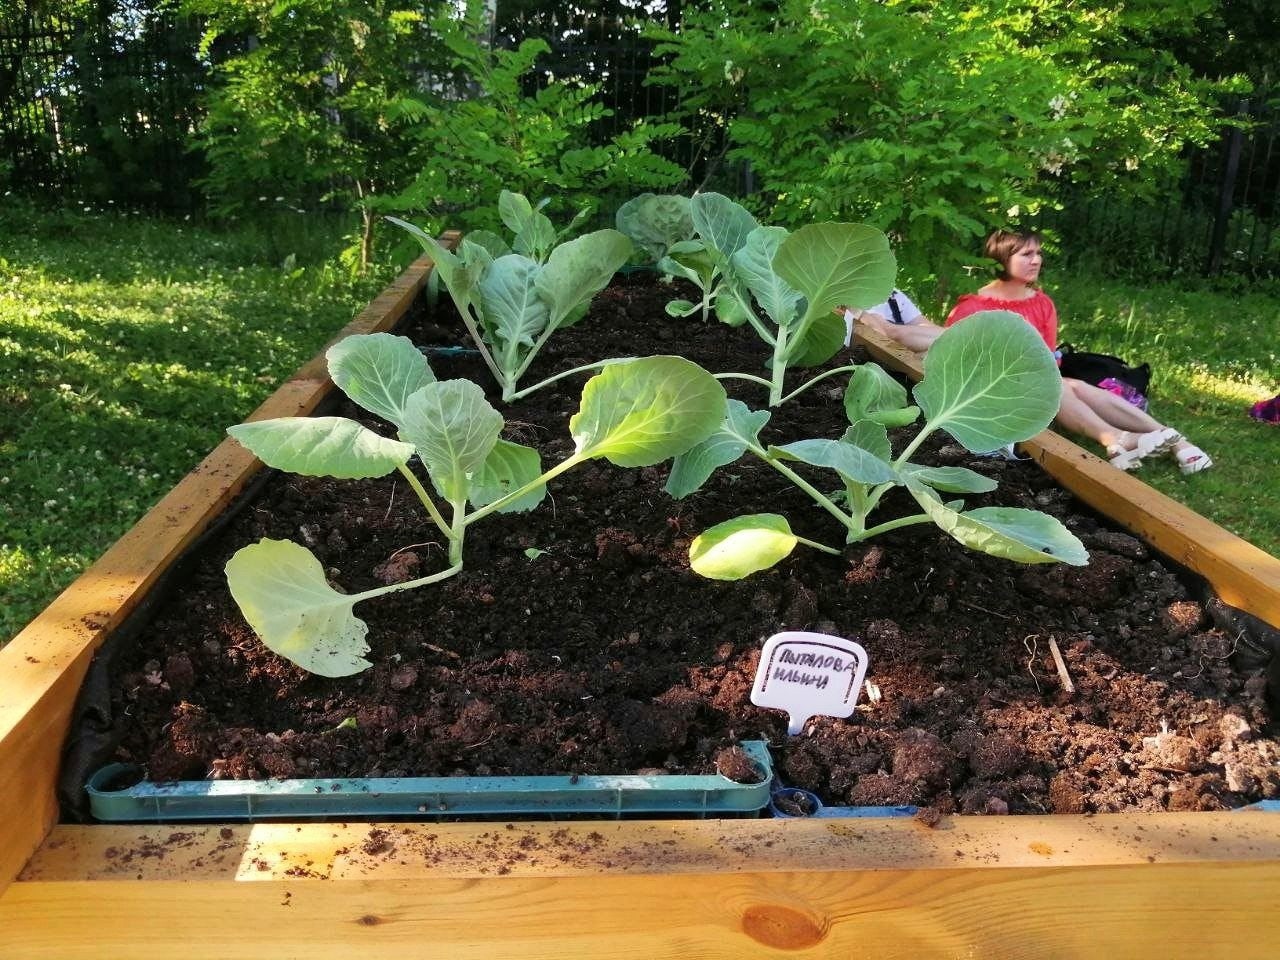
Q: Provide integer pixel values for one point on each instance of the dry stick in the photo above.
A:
(974, 606)
(1061, 664)
(391, 500)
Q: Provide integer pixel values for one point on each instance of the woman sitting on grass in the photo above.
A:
(1128, 434)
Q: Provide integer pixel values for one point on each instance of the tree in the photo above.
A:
(935, 122)
(300, 106)
(403, 107)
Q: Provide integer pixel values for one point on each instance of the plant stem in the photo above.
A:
(743, 376)
(873, 500)
(425, 498)
(533, 352)
(914, 445)
(820, 498)
(469, 322)
(895, 524)
(501, 502)
(599, 364)
(458, 531)
(817, 546)
(750, 313)
(822, 376)
(778, 367)
(860, 504)
(510, 361)
(408, 584)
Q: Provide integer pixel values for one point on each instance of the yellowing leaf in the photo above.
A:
(281, 589)
(742, 546)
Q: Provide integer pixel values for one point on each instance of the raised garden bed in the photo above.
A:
(805, 881)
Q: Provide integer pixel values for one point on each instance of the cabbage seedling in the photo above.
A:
(989, 381)
(798, 279)
(655, 222)
(512, 303)
(533, 234)
(633, 413)
(722, 227)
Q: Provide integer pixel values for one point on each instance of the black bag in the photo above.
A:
(1095, 367)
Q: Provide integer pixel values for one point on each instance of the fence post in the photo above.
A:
(1226, 195)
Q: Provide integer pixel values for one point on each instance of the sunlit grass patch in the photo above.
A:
(127, 346)
(1213, 355)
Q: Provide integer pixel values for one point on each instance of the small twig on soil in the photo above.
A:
(1205, 658)
(521, 431)
(472, 746)
(1032, 643)
(428, 543)
(390, 500)
(925, 582)
(1061, 664)
(974, 606)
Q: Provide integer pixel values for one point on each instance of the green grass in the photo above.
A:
(1213, 355)
(127, 346)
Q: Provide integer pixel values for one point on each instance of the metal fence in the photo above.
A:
(1225, 218)
(102, 107)
(99, 101)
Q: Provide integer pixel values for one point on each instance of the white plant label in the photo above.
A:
(809, 674)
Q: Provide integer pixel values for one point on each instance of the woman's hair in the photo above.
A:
(1003, 244)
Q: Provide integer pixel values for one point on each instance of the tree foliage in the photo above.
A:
(99, 91)
(934, 122)
(515, 129)
(402, 107)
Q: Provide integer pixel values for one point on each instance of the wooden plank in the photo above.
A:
(1189, 885)
(1240, 573)
(42, 667)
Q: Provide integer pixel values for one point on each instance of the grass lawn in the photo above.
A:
(127, 346)
(1213, 355)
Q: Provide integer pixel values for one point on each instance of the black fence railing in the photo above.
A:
(103, 107)
(99, 102)
(1223, 217)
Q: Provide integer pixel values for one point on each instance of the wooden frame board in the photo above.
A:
(1168, 885)
(1068, 886)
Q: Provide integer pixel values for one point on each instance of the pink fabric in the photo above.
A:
(1037, 310)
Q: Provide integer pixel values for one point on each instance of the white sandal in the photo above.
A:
(1159, 441)
(1123, 459)
(1146, 445)
(1191, 459)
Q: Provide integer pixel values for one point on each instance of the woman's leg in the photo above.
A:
(1113, 422)
(1118, 412)
(1079, 417)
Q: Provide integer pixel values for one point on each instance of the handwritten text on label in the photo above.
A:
(809, 674)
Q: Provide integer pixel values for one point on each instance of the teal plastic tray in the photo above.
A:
(430, 797)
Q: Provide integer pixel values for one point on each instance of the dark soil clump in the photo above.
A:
(577, 640)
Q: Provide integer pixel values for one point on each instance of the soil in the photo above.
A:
(577, 641)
